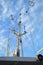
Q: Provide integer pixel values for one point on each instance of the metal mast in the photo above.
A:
(19, 35)
(8, 47)
(9, 38)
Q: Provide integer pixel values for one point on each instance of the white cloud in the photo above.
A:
(4, 10)
(4, 7)
(29, 26)
(3, 44)
(7, 11)
(18, 4)
(1, 48)
(23, 11)
(30, 31)
(25, 19)
(3, 4)
(2, 31)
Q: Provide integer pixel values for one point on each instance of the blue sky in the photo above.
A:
(33, 20)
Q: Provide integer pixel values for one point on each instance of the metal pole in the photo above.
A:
(19, 24)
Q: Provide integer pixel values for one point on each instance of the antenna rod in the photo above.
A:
(19, 36)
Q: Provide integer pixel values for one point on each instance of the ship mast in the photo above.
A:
(19, 35)
(9, 38)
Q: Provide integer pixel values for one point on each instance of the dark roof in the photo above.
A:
(17, 59)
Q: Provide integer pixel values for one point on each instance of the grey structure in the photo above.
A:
(17, 59)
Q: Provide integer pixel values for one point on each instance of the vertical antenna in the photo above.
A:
(9, 38)
(19, 35)
(8, 45)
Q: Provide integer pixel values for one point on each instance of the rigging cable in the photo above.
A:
(22, 48)
(21, 39)
(33, 44)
